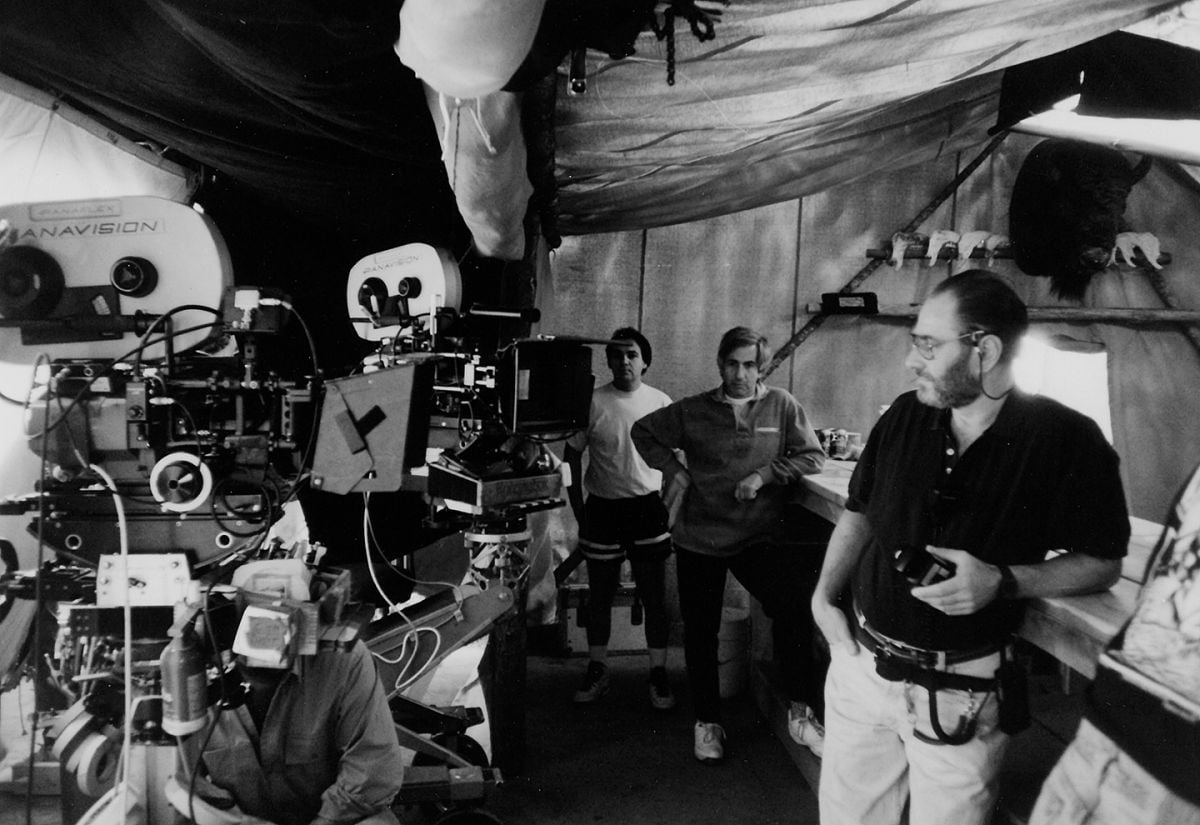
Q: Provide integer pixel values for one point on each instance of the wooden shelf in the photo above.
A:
(949, 252)
(1109, 315)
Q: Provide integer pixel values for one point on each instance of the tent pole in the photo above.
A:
(802, 334)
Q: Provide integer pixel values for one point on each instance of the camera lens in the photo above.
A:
(31, 283)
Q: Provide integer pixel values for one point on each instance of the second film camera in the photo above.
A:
(440, 408)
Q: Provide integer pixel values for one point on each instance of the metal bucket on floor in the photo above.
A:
(733, 651)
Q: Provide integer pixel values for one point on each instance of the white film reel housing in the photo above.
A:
(421, 277)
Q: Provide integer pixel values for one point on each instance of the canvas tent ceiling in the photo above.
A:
(797, 97)
(306, 107)
(309, 111)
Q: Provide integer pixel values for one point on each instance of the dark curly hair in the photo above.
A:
(631, 334)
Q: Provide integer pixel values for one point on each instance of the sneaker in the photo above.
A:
(595, 683)
(661, 697)
(805, 729)
(710, 742)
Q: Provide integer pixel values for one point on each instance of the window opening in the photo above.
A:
(1067, 370)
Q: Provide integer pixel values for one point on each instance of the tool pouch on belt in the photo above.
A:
(895, 669)
(1012, 691)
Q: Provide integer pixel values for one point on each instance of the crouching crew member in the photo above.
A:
(963, 489)
(313, 744)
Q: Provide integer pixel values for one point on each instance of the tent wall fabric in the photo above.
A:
(685, 285)
(308, 106)
(50, 152)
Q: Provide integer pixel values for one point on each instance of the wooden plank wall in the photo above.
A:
(684, 285)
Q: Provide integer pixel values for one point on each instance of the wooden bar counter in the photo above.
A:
(1073, 629)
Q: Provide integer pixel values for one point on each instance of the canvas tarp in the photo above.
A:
(793, 98)
(309, 108)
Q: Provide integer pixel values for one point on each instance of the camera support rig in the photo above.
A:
(488, 411)
(170, 443)
(491, 414)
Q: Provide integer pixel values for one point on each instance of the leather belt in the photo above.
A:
(880, 644)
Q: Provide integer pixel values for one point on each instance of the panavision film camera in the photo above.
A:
(171, 445)
(151, 406)
(146, 371)
(167, 449)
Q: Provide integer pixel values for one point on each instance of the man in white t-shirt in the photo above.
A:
(624, 515)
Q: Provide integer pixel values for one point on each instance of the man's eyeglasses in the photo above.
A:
(926, 344)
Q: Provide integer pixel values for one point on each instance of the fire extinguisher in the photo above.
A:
(184, 684)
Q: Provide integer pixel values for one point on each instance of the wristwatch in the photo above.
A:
(1008, 583)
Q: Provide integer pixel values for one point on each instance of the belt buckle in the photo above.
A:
(886, 647)
(925, 658)
(936, 659)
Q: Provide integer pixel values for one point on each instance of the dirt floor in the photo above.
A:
(619, 761)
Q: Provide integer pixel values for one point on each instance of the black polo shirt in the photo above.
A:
(1041, 477)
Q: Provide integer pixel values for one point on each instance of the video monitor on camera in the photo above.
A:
(545, 386)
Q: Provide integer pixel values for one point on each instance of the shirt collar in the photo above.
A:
(1007, 420)
(1012, 413)
(718, 394)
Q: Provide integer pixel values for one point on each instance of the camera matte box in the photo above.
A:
(374, 428)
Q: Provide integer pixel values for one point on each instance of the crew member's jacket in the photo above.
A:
(722, 444)
(328, 746)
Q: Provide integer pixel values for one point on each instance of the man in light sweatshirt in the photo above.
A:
(743, 444)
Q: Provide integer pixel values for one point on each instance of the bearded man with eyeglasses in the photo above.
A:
(970, 497)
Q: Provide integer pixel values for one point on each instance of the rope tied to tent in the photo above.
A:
(701, 21)
(476, 112)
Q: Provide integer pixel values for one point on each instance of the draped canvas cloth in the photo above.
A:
(794, 97)
(309, 106)
(302, 105)
(464, 52)
(484, 155)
